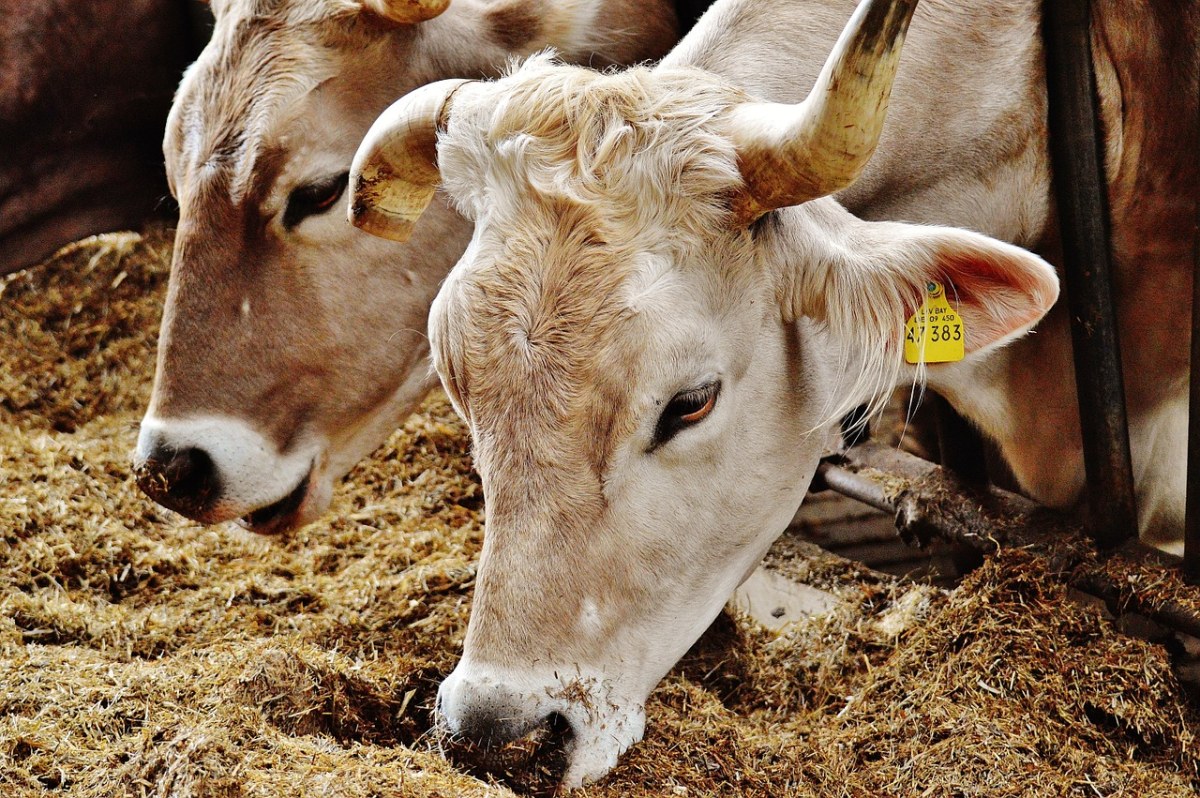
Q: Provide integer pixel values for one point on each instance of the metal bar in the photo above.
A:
(1170, 614)
(1191, 526)
(931, 503)
(1079, 185)
(849, 484)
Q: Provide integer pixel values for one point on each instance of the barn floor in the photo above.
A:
(141, 655)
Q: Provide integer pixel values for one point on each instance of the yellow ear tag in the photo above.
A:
(935, 333)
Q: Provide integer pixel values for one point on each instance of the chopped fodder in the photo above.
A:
(143, 655)
(1012, 689)
(80, 331)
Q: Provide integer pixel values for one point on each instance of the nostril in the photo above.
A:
(190, 471)
(558, 724)
(184, 480)
(482, 729)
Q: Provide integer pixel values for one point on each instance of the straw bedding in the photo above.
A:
(142, 655)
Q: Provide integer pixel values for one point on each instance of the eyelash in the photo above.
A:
(686, 409)
(313, 199)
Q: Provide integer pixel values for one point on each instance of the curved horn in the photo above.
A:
(789, 154)
(406, 12)
(395, 174)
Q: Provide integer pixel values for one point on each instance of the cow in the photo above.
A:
(84, 90)
(292, 344)
(663, 312)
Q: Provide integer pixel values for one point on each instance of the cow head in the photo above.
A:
(649, 354)
(293, 343)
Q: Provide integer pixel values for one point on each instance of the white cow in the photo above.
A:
(659, 316)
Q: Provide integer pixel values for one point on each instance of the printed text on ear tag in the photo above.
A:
(935, 333)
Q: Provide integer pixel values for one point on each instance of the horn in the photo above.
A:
(406, 12)
(789, 154)
(394, 174)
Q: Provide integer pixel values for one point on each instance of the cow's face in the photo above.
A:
(648, 374)
(293, 343)
(644, 424)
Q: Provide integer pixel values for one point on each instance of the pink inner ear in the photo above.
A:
(997, 294)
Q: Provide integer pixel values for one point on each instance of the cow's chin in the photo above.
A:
(305, 503)
(308, 500)
(311, 496)
(598, 739)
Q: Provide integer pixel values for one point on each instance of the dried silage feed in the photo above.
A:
(142, 655)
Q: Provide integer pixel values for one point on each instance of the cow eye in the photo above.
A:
(685, 409)
(313, 198)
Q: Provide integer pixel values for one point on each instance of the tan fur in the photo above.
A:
(515, 26)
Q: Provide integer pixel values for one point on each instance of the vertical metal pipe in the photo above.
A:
(1079, 183)
(1191, 534)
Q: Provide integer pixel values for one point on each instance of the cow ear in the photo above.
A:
(870, 278)
(406, 12)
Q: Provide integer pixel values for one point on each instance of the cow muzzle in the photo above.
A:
(487, 707)
(214, 469)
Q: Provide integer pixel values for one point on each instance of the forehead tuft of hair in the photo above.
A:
(639, 147)
(573, 169)
(263, 56)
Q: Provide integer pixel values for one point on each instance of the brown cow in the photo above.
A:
(292, 343)
(84, 91)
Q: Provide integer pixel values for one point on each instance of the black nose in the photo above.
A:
(183, 480)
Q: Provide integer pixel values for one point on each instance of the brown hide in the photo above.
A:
(1147, 59)
(84, 93)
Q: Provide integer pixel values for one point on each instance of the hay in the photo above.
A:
(142, 655)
